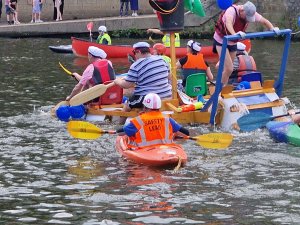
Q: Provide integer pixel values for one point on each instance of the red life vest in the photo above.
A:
(153, 128)
(239, 24)
(103, 72)
(246, 65)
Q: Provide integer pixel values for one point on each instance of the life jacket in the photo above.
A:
(167, 59)
(103, 72)
(239, 24)
(166, 40)
(153, 128)
(246, 65)
(104, 36)
(195, 62)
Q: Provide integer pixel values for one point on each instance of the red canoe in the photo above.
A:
(154, 155)
(80, 48)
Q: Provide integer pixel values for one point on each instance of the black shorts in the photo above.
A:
(136, 101)
(231, 48)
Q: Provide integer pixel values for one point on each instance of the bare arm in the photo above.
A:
(155, 31)
(123, 83)
(209, 74)
(229, 24)
(75, 91)
(266, 23)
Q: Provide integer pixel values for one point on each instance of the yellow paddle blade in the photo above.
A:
(66, 70)
(214, 140)
(83, 130)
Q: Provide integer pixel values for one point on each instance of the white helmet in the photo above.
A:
(152, 101)
(102, 28)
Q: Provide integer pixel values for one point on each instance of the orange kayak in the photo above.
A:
(154, 155)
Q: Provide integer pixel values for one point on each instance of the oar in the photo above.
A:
(66, 70)
(86, 130)
(89, 27)
(255, 120)
(212, 140)
(90, 94)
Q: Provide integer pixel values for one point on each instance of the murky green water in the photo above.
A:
(47, 177)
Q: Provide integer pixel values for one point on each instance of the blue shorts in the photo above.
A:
(8, 10)
(231, 48)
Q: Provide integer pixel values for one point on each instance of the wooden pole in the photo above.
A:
(173, 65)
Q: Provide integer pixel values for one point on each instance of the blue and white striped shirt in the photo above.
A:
(150, 76)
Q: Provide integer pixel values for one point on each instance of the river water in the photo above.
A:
(47, 177)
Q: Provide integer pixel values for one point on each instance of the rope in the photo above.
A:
(166, 11)
(178, 164)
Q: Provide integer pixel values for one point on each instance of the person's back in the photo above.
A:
(150, 75)
(152, 127)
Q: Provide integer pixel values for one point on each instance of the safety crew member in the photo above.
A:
(166, 38)
(193, 62)
(152, 127)
(160, 49)
(103, 37)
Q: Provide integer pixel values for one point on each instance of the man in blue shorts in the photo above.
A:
(148, 74)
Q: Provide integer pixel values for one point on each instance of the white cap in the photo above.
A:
(102, 28)
(141, 45)
(194, 45)
(97, 52)
(152, 101)
(250, 11)
(241, 46)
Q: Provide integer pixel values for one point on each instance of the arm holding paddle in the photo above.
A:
(295, 116)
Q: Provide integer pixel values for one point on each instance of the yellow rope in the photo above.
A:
(178, 164)
(166, 11)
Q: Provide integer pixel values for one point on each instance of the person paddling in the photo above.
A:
(152, 126)
(99, 71)
(103, 37)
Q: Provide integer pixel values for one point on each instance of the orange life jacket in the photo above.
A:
(246, 65)
(153, 128)
(195, 62)
(239, 24)
(103, 72)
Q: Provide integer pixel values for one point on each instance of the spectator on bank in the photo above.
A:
(58, 13)
(122, 3)
(134, 6)
(41, 8)
(61, 9)
(36, 12)
(14, 7)
(9, 13)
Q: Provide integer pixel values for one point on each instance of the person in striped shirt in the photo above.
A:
(148, 74)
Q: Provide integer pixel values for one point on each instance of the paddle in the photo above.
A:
(255, 120)
(86, 130)
(66, 70)
(90, 94)
(89, 27)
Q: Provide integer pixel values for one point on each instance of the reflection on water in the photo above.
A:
(47, 177)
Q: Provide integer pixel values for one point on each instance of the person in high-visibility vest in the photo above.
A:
(152, 126)
(160, 49)
(166, 38)
(103, 37)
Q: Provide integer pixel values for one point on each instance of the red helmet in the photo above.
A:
(160, 48)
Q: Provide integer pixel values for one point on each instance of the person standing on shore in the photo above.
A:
(122, 3)
(58, 13)
(134, 5)
(9, 12)
(0, 8)
(61, 9)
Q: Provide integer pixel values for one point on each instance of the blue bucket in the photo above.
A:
(77, 111)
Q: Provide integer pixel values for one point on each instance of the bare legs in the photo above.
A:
(228, 64)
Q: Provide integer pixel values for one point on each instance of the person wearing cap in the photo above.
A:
(242, 64)
(193, 62)
(166, 38)
(160, 49)
(235, 20)
(99, 71)
(152, 126)
(103, 37)
(149, 73)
